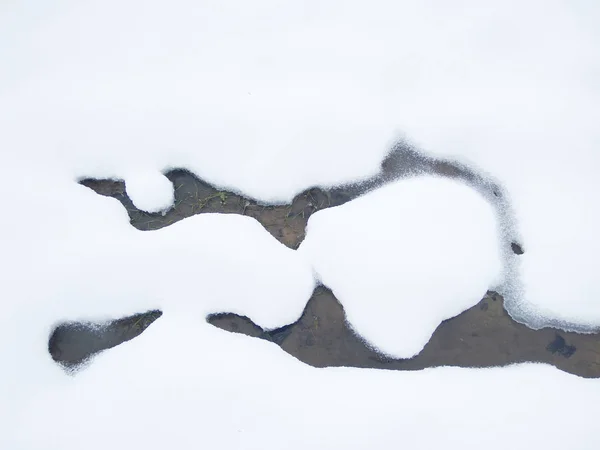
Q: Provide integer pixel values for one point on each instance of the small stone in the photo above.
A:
(516, 248)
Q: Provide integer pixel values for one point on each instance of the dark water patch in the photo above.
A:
(72, 343)
(482, 336)
(559, 346)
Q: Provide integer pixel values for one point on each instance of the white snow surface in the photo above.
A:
(287, 91)
(406, 257)
(269, 98)
(149, 190)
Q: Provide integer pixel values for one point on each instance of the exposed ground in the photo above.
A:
(483, 336)
(287, 222)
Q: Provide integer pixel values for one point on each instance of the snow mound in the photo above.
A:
(406, 257)
(149, 191)
(515, 94)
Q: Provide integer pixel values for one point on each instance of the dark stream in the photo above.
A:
(483, 336)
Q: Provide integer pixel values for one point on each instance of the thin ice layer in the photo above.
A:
(406, 257)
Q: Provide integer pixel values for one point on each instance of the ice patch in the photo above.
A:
(406, 257)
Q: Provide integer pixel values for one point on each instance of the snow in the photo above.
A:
(149, 191)
(406, 257)
(245, 396)
(268, 98)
